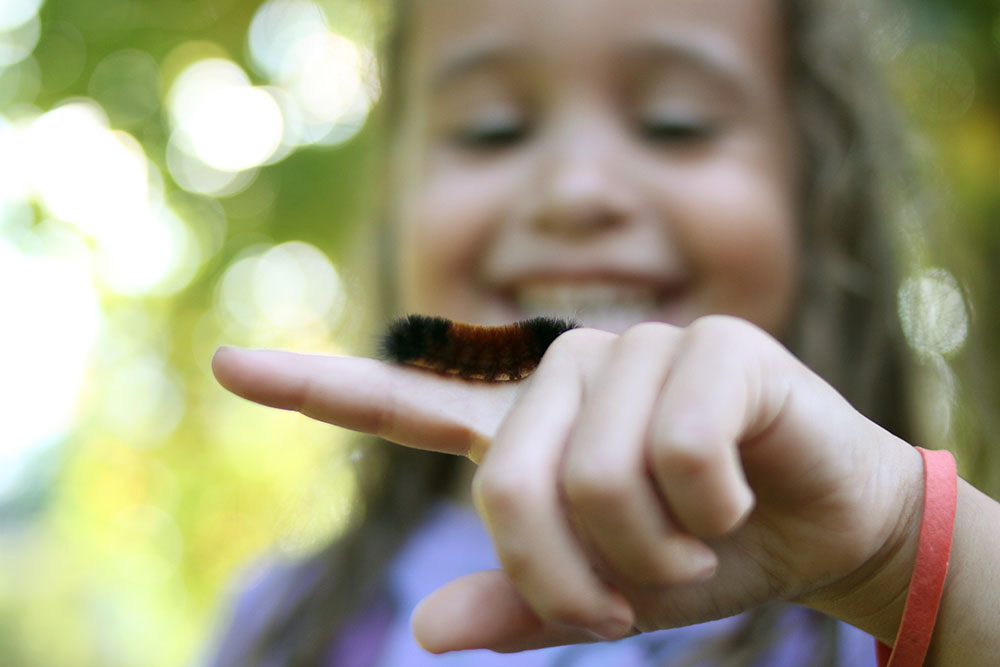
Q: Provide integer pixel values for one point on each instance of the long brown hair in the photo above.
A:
(846, 327)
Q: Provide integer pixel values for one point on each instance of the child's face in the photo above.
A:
(612, 160)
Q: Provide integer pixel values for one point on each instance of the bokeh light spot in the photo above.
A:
(154, 254)
(275, 29)
(14, 13)
(14, 184)
(100, 181)
(17, 43)
(20, 83)
(51, 300)
(933, 314)
(83, 172)
(219, 118)
(331, 81)
(195, 176)
(295, 285)
(198, 80)
(235, 128)
(142, 403)
(288, 288)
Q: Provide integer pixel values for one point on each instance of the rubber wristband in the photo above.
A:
(933, 551)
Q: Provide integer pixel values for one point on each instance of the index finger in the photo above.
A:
(408, 406)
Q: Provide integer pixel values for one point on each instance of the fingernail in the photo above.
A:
(613, 628)
(619, 620)
(703, 561)
(747, 502)
(693, 560)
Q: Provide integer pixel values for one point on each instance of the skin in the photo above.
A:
(638, 147)
(832, 490)
(647, 475)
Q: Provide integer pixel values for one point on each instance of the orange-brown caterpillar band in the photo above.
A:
(493, 354)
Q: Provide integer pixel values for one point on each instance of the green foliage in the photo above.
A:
(121, 534)
(122, 529)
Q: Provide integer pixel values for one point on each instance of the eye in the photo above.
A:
(677, 130)
(491, 134)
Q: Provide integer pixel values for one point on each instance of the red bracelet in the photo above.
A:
(931, 567)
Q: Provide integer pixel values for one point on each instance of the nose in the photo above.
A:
(580, 188)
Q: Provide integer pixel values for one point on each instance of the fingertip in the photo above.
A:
(619, 620)
(480, 610)
(424, 628)
(446, 620)
(224, 364)
(256, 375)
(222, 354)
(219, 361)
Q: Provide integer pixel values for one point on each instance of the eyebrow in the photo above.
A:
(722, 66)
(479, 55)
(656, 46)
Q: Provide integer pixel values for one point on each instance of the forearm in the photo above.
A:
(967, 631)
(968, 627)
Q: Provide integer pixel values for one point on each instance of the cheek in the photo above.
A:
(444, 231)
(740, 235)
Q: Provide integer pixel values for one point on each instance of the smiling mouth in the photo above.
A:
(608, 305)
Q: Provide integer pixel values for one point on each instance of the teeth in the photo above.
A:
(613, 307)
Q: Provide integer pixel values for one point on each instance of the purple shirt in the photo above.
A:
(452, 542)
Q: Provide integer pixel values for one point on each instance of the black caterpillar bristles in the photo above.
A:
(494, 354)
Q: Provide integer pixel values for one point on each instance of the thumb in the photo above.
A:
(484, 610)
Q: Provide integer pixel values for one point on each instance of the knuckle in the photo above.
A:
(498, 494)
(680, 454)
(571, 340)
(717, 325)
(382, 420)
(578, 341)
(724, 328)
(645, 332)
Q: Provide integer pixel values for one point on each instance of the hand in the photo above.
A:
(659, 478)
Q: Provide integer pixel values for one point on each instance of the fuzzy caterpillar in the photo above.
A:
(489, 353)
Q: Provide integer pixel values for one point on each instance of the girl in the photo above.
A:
(691, 180)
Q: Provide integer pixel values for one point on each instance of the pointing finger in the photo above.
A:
(408, 406)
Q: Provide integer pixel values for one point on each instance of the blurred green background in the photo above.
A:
(179, 174)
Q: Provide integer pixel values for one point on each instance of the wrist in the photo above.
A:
(872, 597)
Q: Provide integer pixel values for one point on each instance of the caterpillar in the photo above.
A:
(489, 353)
